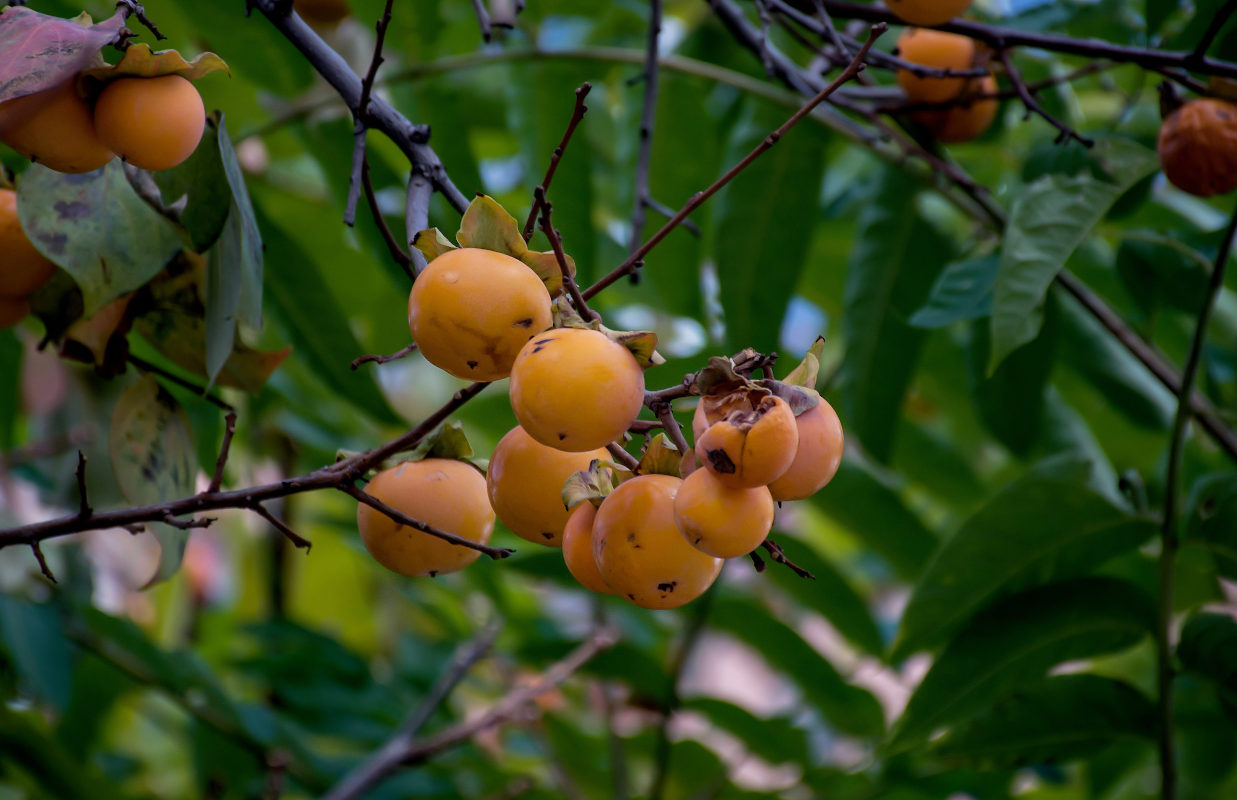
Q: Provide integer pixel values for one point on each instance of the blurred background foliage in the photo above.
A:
(977, 518)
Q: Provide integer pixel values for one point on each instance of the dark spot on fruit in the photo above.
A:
(667, 587)
(472, 364)
(1224, 115)
(527, 322)
(698, 538)
(631, 597)
(537, 349)
(547, 535)
(433, 573)
(720, 461)
(562, 436)
(631, 537)
(543, 341)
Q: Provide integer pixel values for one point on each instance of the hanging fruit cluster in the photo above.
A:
(657, 535)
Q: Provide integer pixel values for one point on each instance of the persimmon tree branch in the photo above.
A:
(648, 116)
(1169, 536)
(577, 114)
(1033, 107)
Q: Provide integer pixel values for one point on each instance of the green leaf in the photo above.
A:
(1018, 639)
(1055, 720)
(962, 292)
(845, 706)
(1161, 271)
(10, 394)
(241, 239)
(318, 326)
(892, 267)
(763, 222)
(32, 636)
(775, 739)
(1050, 219)
(1157, 11)
(96, 228)
(877, 516)
(1208, 647)
(830, 594)
(487, 225)
(1043, 528)
(1211, 518)
(24, 740)
(201, 180)
(154, 460)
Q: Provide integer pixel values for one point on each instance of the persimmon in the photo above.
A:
(471, 310)
(322, 12)
(575, 389)
(1198, 147)
(578, 549)
(746, 449)
(927, 12)
(721, 521)
(966, 120)
(12, 311)
(447, 494)
(818, 456)
(525, 482)
(938, 50)
(639, 550)
(152, 123)
(25, 268)
(54, 128)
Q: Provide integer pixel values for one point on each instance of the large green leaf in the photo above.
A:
(775, 739)
(875, 514)
(1159, 270)
(1211, 518)
(1044, 527)
(763, 226)
(10, 400)
(1055, 720)
(96, 228)
(829, 594)
(31, 636)
(1208, 648)
(154, 459)
(892, 267)
(963, 291)
(201, 181)
(318, 326)
(847, 707)
(1049, 220)
(1018, 639)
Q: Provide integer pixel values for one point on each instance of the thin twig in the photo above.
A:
(483, 20)
(417, 215)
(668, 212)
(643, 426)
(404, 519)
(38, 555)
(355, 180)
(281, 526)
(757, 561)
(577, 114)
(186, 524)
(200, 391)
(673, 429)
(137, 10)
(84, 511)
(556, 243)
(513, 703)
(1169, 535)
(775, 552)
(1218, 19)
(229, 430)
(393, 245)
(396, 356)
(699, 198)
(1033, 106)
(360, 116)
(622, 456)
(648, 115)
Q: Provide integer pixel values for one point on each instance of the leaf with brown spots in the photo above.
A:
(41, 51)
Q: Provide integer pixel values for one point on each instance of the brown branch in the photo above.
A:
(136, 9)
(757, 561)
(622, 456)
(556, 243)
(577, 114)
(371, 198)
(84, 511)
(673, 429)
(1033, 106)
(360, 116)
(510, 706)
(699, 198)
(38, 555)
(396, 356)
(229, 430)
(483, 20)
(643, 426)
(775, 552)
(417, 215)
(281, 526)
(404, 519)
(170, 519)
(648, 114)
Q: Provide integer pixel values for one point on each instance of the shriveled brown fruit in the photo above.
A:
(750, 448)
(1198, 147)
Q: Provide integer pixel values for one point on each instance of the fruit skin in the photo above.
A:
(575, 389)
(324, 12)
(1198, 147)
(152, 123)
(54, 128)
(749, 449)
(640, 552)
(965, 121)
(818, 457)
(525, 482)
(471, 310)
(934, 49)
(12, 311)
(722, 522)
(25, 269)
(447, 494)
(578, 549)
(927, 12)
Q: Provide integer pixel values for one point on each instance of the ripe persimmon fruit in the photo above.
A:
(818, 457)
(721, 521)
(937, 50)
(24, 268)
(750, 448)
(578, 549)
(152, 123)
(54, 128)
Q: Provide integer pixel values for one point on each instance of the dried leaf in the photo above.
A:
(140, 61)
(660, 457)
